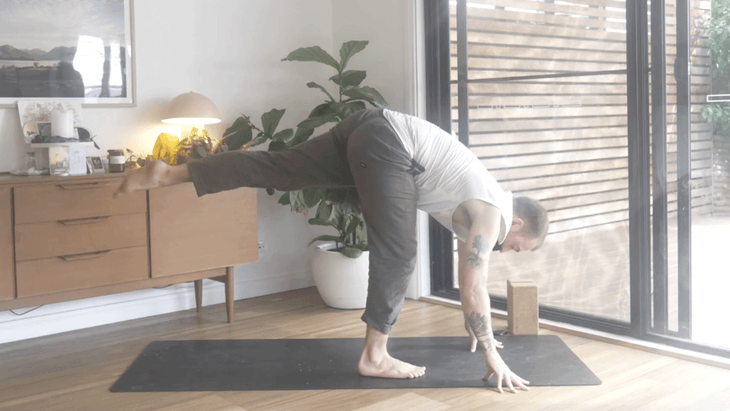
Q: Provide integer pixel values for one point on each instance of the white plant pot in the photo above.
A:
(342, 281)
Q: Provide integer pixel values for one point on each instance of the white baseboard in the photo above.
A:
(110, 309)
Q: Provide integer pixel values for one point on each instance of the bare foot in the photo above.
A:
(387, 367)
(149, 176)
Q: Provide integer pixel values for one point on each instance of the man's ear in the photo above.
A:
(517, 224)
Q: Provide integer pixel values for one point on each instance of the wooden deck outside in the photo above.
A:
(551, 124)
(594, 275)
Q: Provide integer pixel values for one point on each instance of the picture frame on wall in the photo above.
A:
(75, 50)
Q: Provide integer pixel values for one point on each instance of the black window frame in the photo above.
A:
(643, 323)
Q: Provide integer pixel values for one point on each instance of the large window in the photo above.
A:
(560, 102)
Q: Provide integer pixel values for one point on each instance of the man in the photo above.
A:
(398, 164)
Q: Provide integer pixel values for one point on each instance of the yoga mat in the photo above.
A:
(330, 364)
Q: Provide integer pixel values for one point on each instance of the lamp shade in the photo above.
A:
(192, 108)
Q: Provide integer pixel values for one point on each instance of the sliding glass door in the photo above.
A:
(688, 216)
(538, 92)
(590, 107)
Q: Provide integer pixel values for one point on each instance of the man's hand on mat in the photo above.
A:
(497, 366)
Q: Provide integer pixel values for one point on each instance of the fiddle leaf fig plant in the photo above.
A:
(240, 135)
(337, 208)
(351, 229)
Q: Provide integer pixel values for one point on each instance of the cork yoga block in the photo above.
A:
(522, 308)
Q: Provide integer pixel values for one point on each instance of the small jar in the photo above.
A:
(30, 161)
(116, 161)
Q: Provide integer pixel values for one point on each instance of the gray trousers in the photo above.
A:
(362, 151)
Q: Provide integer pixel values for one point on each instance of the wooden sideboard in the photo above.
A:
(67, 238)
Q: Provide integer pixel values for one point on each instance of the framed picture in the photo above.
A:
(95, 164)
(77, 50)
(43, 128)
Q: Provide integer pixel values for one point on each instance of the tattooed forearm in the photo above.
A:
(481, 326)
(475, 258)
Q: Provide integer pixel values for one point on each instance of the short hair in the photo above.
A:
(534, 215)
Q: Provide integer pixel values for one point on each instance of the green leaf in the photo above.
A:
(277, 146)
(360, 247)
(324, 211)
(301, 135)
(238, 134)
(283, 135)
(356, 106)
(361, 236)
(201, 151)
(312, 84)
(346, 223)
(261, 139)
(315, 54)
(352, 224)
(270, 121)
(349, 78)
(311, 196)
(341, 110)
(320, 110)
(284, 199)
(296, 201)
(314, 122)
(339, 216)
(326, 238)
(302, 200)
(322, 222)
(351, 252)
(367, 93)
(348, 50)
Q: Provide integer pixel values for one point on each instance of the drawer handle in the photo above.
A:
(78, 221)
(85, 256)
(85, 186)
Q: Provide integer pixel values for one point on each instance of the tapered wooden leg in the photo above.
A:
(198, 294)
(229, 293)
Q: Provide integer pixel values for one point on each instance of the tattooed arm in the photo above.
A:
(485, 223)
(473, 264)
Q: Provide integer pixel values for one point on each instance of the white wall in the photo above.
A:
(230, 50)
(386, 24)
(394, 30)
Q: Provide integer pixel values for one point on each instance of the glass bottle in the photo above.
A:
(30, 161)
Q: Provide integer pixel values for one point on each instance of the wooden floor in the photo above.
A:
(73, 371)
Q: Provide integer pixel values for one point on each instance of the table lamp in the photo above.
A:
(192, 110)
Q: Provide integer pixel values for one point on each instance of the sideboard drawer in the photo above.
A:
(190, 233)
(68, 201)
(79, 236)
(52, 275)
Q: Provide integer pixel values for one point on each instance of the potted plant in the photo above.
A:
(340, 269)
(718, 114)
(346, 253)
